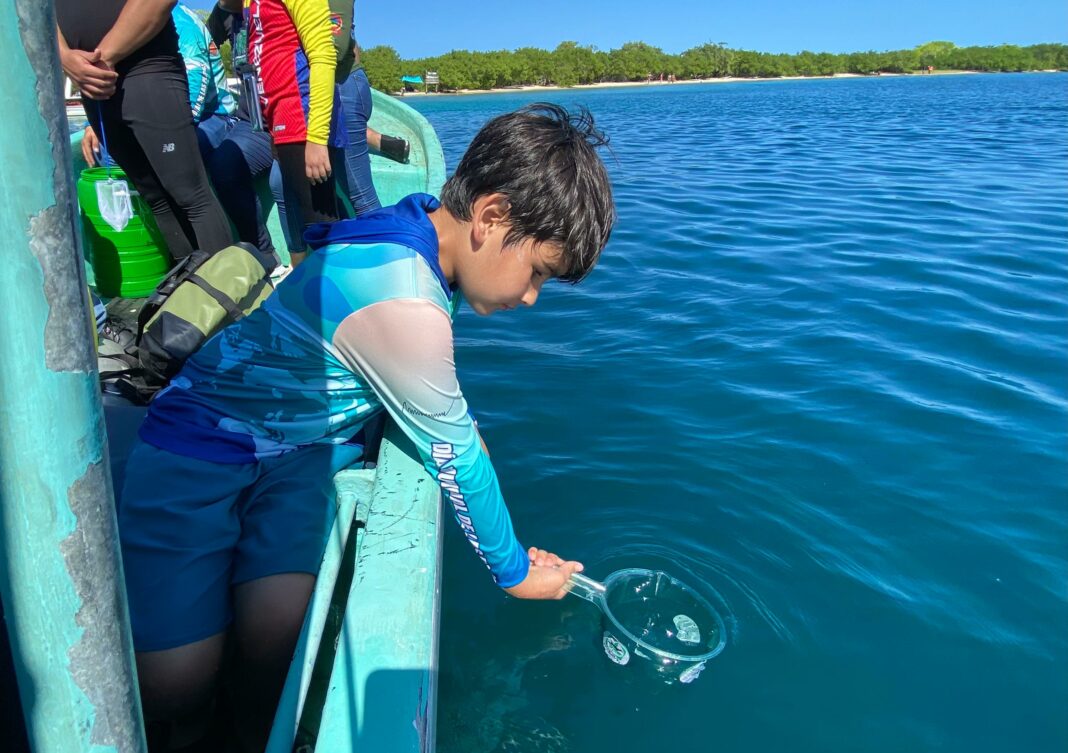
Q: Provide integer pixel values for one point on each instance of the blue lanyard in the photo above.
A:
(104, 139)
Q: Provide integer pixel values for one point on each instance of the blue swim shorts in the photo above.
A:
(191, 529)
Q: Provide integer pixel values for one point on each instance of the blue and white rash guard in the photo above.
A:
(208, 94)
(363, 325)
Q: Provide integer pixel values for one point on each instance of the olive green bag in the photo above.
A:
(202, 294)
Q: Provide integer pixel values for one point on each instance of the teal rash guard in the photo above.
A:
(363, 325)
(208, 94)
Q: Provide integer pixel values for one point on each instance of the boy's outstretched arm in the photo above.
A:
(403, 348)
(548, 574)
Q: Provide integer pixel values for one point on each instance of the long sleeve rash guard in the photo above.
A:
(280, 32)
(208, 94)
(359, 328)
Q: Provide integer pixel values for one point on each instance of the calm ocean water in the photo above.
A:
(822, 372)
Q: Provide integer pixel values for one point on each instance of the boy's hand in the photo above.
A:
(316, 162)
(547, 578)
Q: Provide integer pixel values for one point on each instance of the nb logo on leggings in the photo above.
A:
(168, 148)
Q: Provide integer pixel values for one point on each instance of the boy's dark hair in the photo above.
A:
(544, 159)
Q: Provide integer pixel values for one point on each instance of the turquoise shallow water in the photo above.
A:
(822, 372)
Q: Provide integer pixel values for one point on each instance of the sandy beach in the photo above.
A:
(629, 84)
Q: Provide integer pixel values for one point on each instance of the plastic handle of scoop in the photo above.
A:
(586, 588)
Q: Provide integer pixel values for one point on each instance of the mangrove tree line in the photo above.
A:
(571, 63)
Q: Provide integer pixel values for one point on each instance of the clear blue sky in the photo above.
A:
(418, 28)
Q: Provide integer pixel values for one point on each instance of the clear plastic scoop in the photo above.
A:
(651, 615)
(112, 196)
(113, 200)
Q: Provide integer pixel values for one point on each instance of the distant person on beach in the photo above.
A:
(124, 57)
(234, 153)
(222, 513)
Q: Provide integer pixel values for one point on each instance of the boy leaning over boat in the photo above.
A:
(222, 514)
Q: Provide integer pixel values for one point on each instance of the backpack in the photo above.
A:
(201, 295)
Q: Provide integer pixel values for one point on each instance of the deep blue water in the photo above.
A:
(822, 371)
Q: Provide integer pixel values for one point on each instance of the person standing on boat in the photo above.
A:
(289, 44)
(354, 91)
(354, 171)
(123, 54)
(222, 513)
(235, 154)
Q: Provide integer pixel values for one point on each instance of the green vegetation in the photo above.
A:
(571, 63)
(227, 55)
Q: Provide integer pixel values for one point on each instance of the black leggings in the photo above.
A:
(318, 201)
(150, 133)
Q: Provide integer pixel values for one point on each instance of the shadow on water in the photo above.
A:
(538, 681)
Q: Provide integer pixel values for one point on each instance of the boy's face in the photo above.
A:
(496, 277)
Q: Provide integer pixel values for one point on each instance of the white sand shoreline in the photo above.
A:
(724, 80)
